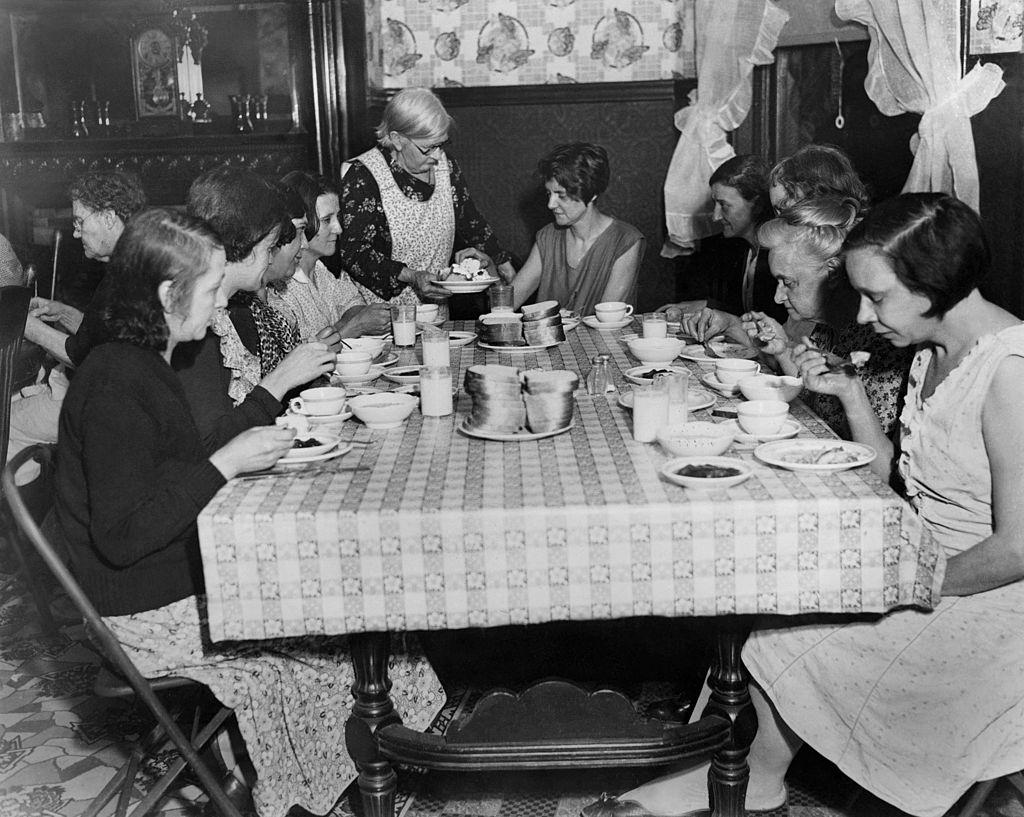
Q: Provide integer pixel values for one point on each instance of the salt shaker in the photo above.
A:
(599, 379)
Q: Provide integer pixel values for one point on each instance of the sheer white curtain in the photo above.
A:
(732, 37)
(914, 65)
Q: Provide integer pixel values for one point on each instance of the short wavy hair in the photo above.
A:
(416, 113)
(291, 206)
(117, 190)
(580, 167)
(935, 243)
(817, 171)
(748, 175)
(241, 206)
(309, 188)
(156, 246)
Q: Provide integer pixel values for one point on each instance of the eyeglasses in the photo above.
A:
(79, 221)
(431, 149)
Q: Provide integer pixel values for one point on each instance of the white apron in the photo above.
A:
(422, 232)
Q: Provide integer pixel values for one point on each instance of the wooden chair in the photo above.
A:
(134, 683)
(982, 790)
(14, 306)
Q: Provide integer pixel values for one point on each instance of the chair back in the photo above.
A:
(14, 305)
(108, 643)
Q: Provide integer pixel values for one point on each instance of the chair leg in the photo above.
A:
(42, 603)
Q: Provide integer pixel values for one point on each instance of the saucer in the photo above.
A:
(390, 360)
(358, 379)
(606, 326)
(404, 374)
(790, 428)
(696, 399)
(324, 419)
(698, 354)
(674, 470)
(724, 389)
(460, 338)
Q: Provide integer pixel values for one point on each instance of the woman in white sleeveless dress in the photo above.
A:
(406, 207)
(914, 706)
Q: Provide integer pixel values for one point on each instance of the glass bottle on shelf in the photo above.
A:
(78, 127)
(261, 112)
(240, 112)
(201, 110)
(184, 106)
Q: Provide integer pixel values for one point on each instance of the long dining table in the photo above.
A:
(423, 527)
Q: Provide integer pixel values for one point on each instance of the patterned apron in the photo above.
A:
(422, 232)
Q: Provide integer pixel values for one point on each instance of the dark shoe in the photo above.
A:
(670, 710)
(608, 805)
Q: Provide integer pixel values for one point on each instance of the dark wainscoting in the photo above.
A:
(502, 132)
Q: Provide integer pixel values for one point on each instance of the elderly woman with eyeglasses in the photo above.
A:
(406, 207)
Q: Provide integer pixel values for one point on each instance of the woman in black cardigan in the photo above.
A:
(132, 479)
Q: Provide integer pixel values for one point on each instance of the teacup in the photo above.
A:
(319, 402)
(731, 371)
(350, 362)
(762, 417)
(611, 311)
(425, 313)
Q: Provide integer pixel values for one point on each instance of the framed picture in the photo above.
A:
(154, 71)
(995, 27)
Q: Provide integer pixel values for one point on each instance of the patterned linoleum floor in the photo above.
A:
(59, 745)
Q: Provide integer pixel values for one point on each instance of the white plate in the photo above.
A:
(633, 375)
(518, 437)
(516, 349)
(328, 442)
(671, 467)
(790, 428)
(323, 419)
(606, 326)
(460, 285)
(435, 322)
(358, 379)
(698, 354)
(390, 360)
(460, 338)
(403, 374)
(696, 399)
(783, 454)
(736, 351)
(725, 389)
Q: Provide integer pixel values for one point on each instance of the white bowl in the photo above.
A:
(762, 416)
(383, 409)
(351, 362)
(771, 387)
(426, 313)
(372, 346)
(696, 438)
(732, 370)
(655, 351)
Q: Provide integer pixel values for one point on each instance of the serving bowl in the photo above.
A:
(383, 409)
(696, 438)
(771, 387)
(655, 351)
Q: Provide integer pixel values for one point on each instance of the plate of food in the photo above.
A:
(312, 444)
(508, 437)
(696, 399)
(643, 375)
(706, 473)
(698, 354)
(460, 338)
(460, 285)
(815, 455)
(403, 374)
(517, 349)
(724, 348)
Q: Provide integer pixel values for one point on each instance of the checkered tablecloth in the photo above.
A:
(447, 531)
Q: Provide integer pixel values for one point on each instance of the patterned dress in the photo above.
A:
(366, 245)
(918, 706)
(884, 376)
(291, 697)
(318, 300)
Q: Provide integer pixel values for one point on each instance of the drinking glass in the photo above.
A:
(655, 325)
(501, 297)
(436, 351)
(403, 324)
(650, 411)
(677, 384)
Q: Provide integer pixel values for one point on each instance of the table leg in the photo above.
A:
(730, 699)
(372, 709)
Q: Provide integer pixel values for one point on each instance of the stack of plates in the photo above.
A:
(497, 399)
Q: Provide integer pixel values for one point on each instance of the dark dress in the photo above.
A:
(717, 270)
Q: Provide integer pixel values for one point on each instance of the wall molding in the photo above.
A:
(555, 93)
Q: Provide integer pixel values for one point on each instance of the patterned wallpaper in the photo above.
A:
(453, 43)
